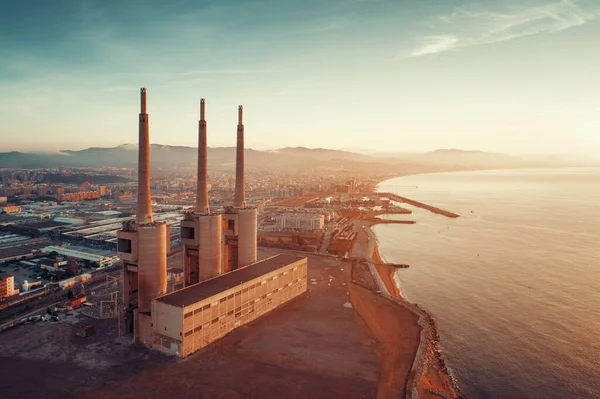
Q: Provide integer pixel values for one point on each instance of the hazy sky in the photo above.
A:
(414, 75)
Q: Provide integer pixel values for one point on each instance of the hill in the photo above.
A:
(284, 159)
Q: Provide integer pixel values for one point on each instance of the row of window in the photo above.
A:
(238, 293)
(244, 309)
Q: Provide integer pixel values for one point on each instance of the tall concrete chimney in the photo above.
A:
(144, 206)
(202, 206)
(240, 190)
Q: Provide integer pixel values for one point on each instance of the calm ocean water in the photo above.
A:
(513, 284)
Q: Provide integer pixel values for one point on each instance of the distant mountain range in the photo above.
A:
(284, 159)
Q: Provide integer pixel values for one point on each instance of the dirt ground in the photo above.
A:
(341, 339)
(315, 346)
(435, 381)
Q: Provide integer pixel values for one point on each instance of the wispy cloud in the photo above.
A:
(472, 26)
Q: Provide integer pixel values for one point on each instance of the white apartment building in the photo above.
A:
(308, 222)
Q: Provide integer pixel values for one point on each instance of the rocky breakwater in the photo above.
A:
(419, 204)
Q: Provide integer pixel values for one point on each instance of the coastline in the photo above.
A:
(430, 377)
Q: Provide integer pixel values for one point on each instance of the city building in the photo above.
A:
(9, 208)
(7, 287)
(79, 196)
(306, 222)
(192, 318)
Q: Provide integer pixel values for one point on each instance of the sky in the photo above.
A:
(519, 77)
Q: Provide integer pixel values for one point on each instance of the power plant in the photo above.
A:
(240, 221)
(143, 246)
(224, 284)
(201, 231)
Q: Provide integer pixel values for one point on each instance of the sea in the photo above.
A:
(513, 284)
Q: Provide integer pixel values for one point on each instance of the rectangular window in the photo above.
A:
(187, 233)
(187, 334)
(214, 321)
(189, 314)
(124, 245)
(206, 307)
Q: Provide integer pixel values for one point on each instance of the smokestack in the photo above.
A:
(240, 190)
(202, 206)
(144, 206)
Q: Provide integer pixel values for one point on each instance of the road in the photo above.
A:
(327, 237)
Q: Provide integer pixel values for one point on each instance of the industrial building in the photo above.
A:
(240, 221)
(190, 319)
(225, 286)
(98, 259)
(201, 231)
(215, 243)
(143, 246)
(103, 233)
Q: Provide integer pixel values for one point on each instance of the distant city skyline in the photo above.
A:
(509, 76)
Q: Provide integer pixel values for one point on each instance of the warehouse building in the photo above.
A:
(192, 318)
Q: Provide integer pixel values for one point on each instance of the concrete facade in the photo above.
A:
(301, 222)
(143, 246)
(201, 236)
(7, 287)
(188, 320)
(247, 236)
(240, 221)
(201, 231)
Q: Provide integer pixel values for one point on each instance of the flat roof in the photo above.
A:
(93, 257)
(197, 292)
